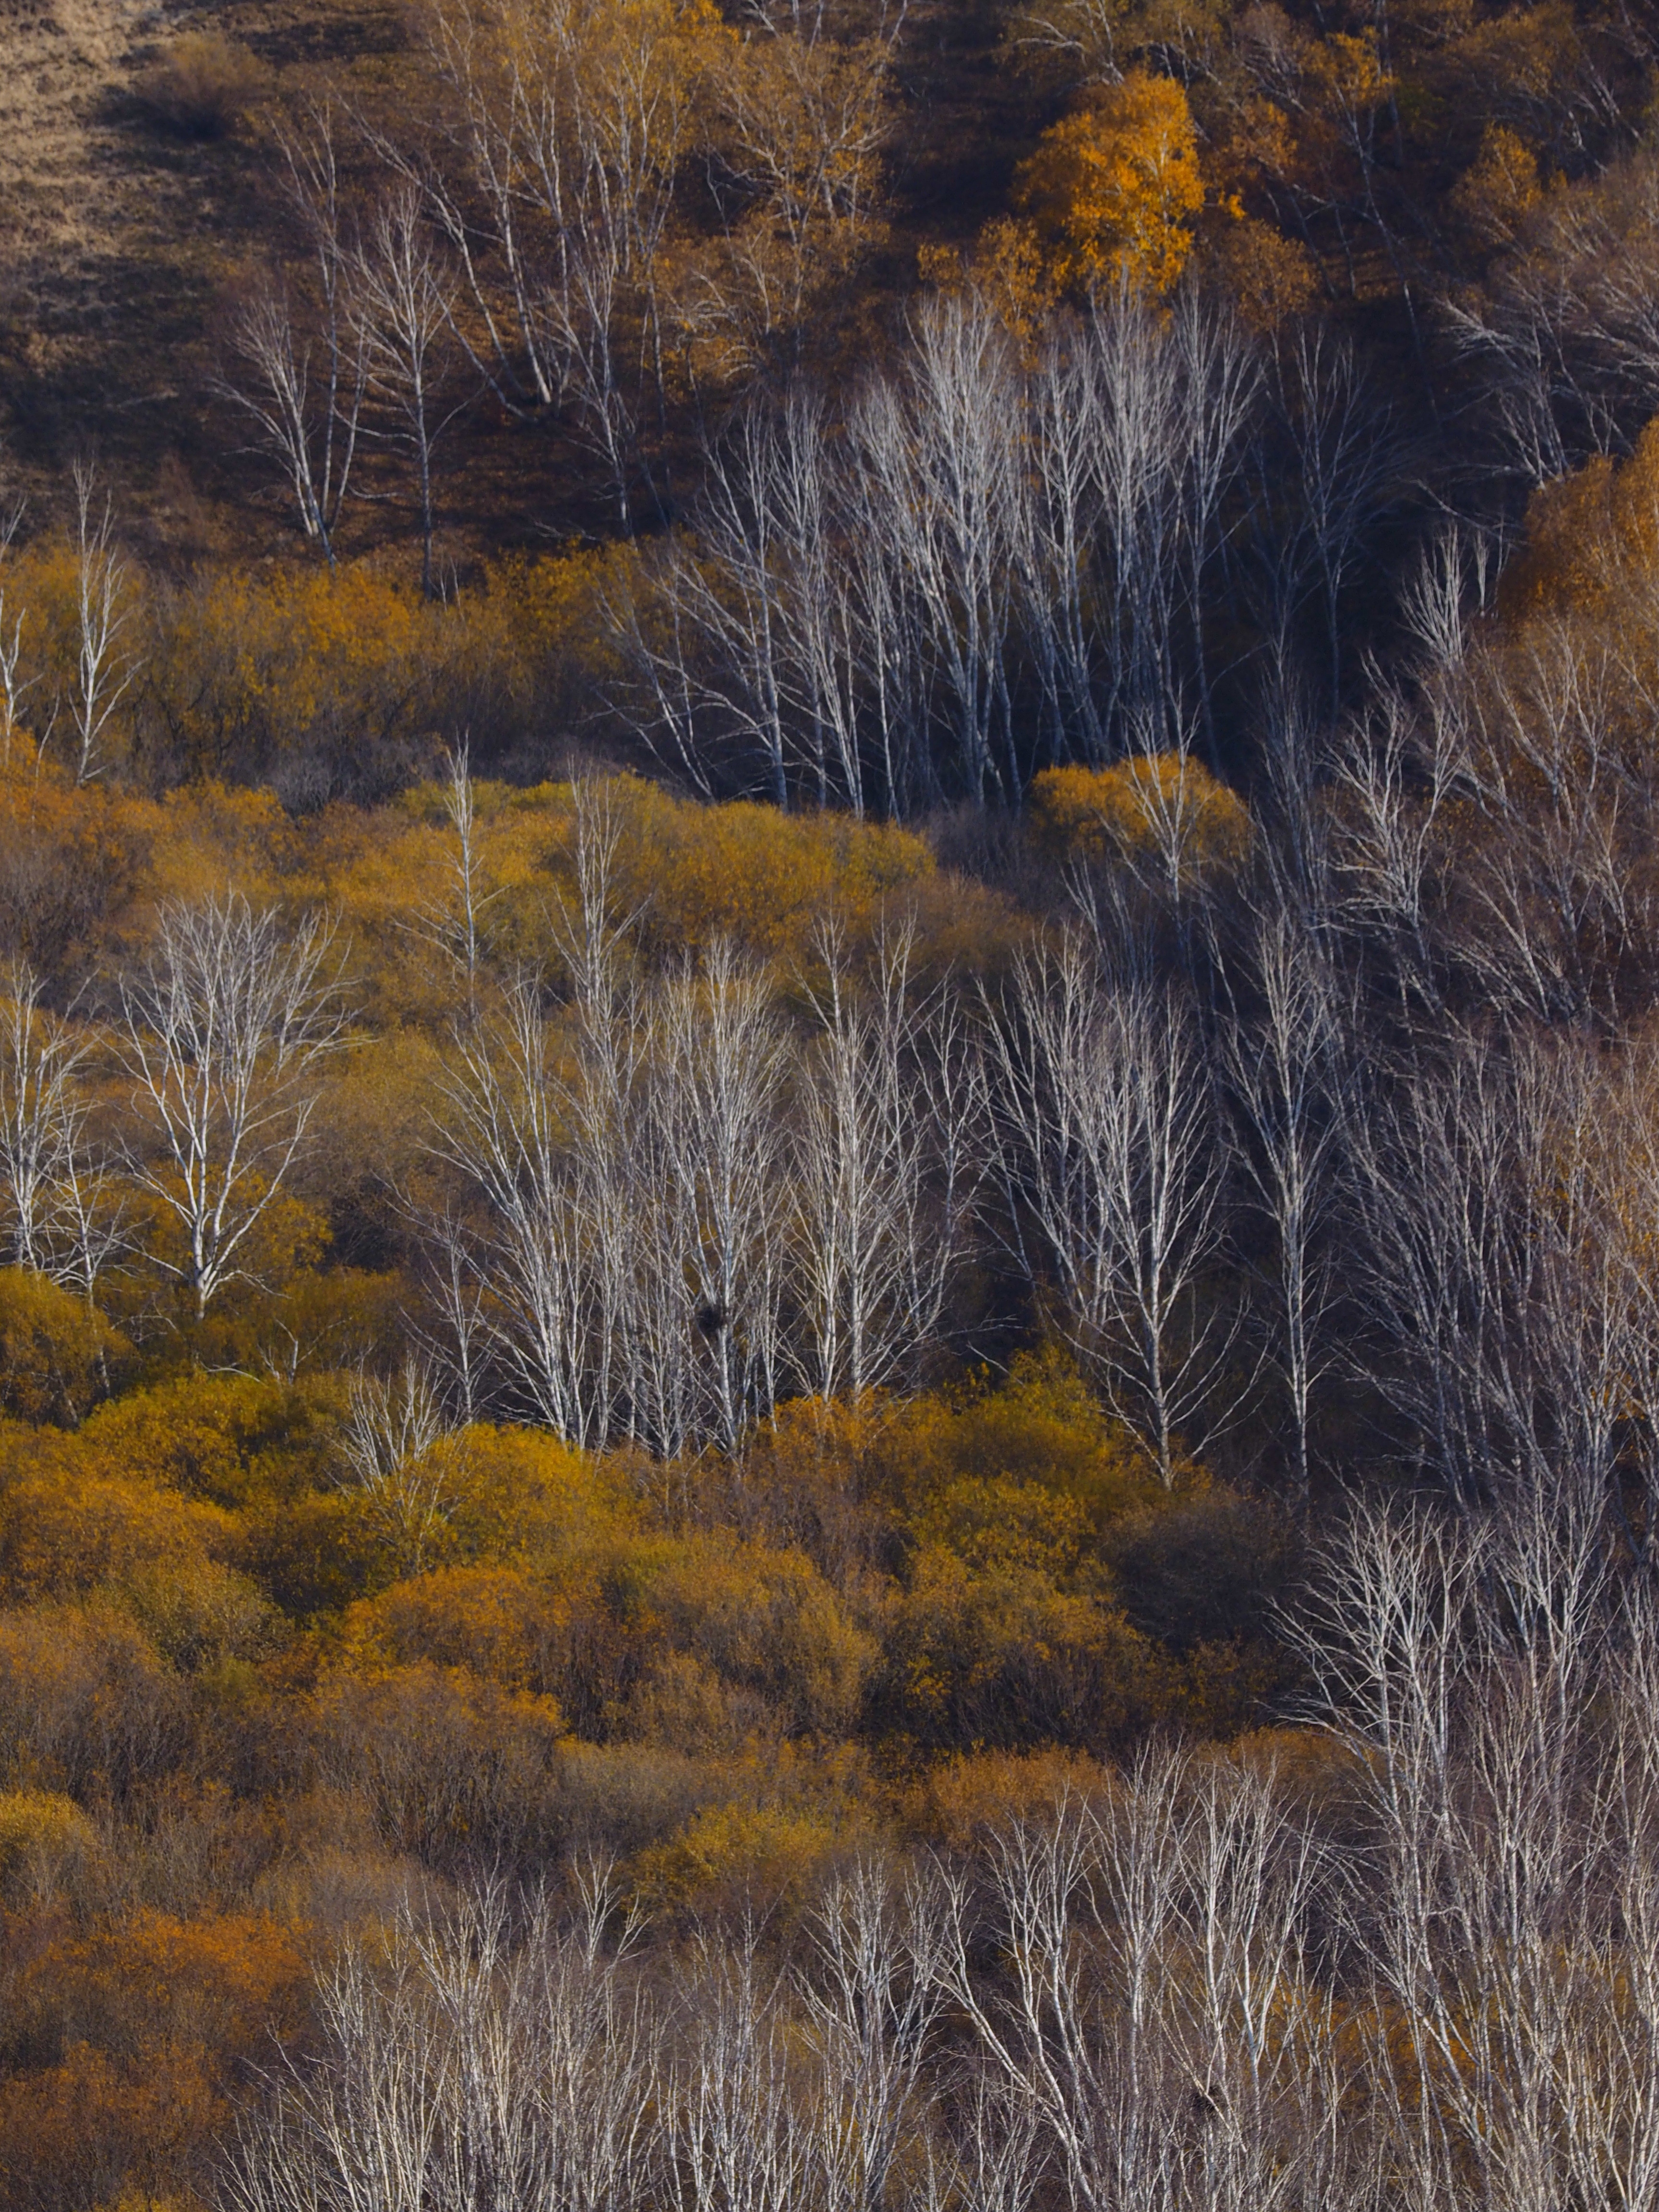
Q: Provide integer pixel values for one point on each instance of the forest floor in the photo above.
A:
(118, 236)
(120, 240)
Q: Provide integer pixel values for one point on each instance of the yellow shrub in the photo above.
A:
(84, 1702)
(490, 1620)
(525, 1496)
(1004, 1658)
(198, 1433)
(43, 584)
(202, 85)
(992, 1523)
(738, 1855)
(55, 1354)
(748, 873)
(41, 1832)
(251, 668)
(1163, 810)
(198, 1612)
(66, 1529)
(1043, 1425)
(456, 1768)
(306, 675)
(763, 1620)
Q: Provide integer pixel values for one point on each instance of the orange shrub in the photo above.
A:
(961, 1797)
(66, 1527)
(89, 2131)
(198, 1612)
(84, 1702)
(218, 1985)
(1589, 537)
(457, 1769)
(813, 1473)
(71, 863)
(491, 1619)
(55, 1354)
(132, 2032)
(1117, 185)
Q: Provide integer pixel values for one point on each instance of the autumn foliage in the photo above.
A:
(829, 1117)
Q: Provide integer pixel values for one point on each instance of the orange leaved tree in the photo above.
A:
(1116, 184)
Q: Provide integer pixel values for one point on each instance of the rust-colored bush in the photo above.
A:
(202, 85)
(85, 1704)
(457, 1769)
(57, 1355)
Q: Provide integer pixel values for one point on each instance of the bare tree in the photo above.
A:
(1455, 1658)
(466, 2068)
(14, 687)
(565, 130)
(1112, 1153)
(1394, 775)
(744, 2139)
(1285, 1071)
(939, 458)
(1344, 452)
(1155, 2020)
(402, 304)
(225, 1031)
(302, 376)
(402, 1458)
(504, 1111)
(544, 1117)
(1498, 1286)
(61, 1217)
(106, 666)
(889, 1158)
(806, 118)
(717, 1081)
(1569, 333)
(871, 1987)
(456, 924)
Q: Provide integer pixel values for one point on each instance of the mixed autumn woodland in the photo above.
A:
(830, 1114)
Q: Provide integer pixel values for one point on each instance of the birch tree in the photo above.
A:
(402, 303)
(226, 1029)
(61, 1217)
(1286, 1072)
(1112, 1155)
(301, 367)
(106, 665)
(888, 1157)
